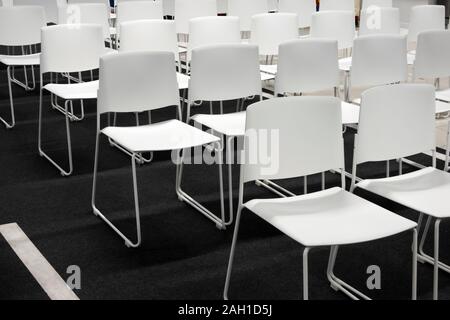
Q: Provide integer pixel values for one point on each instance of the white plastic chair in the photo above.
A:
(366, 4)
(138, 10)
(309, 141)
(303, 8)
(236, 76)
(20, 26)
(377, 60)
(66, 49)
(186, 10)
(50, 7)
(407, 113)
(336, 25)
(379, 20)
(331, 5)
(424, 18)
(86, 13)
(144, 92)
(245, 10)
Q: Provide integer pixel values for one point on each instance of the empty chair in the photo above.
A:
(378, 20)
(303, 8)
(426, 190)
(186, 10)
(336, 25)
(144, 92)
(309, 141)
(66, 49)
(377, 60)
(86, 13)
(20, 26)
(245, 10)
(138, 10)
(328, 5)
(377, 3)
(424, 18)
(212, 30)
(270, 29)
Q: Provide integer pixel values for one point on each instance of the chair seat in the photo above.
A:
(443, 95)
(23, 60)
(425, 190)
(183, 81)
(345, 64)
(229, 124)
(162, 136)
(330, 217)
(266, 76)
(233, 124)
(442, 107)
(269, 68)
(74, 91)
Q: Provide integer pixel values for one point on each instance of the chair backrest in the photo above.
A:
(424, 18)
(21, 25)
(212, 30)
(235, 73)
(186, 10)
(142, 90)
(379, 20)
(69, 48)
(346, 5)
(303, 8)
(302, 134)
(86, 13)
(336, 25)
(169, 7)
(245, 10)
(138, 10)
(50, 7)
(395, 121)
(432, 55)
(377, 3)
(307, 65)
(149, 35)
(270, 29)
(379, 60)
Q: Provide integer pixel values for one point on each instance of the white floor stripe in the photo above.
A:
(55, 287)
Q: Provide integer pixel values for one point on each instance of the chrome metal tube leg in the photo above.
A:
(232, 252)
(305, 273)
(11, 103)
(414, 265)
(436, 260)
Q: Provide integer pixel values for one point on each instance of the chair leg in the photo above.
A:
(305, 274)
(232, 252)
(436, 260)
(183, 196)
(11, 103)
(69, 143)
(97, 212)
(414, 265)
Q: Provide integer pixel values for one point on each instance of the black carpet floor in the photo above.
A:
(183, 255)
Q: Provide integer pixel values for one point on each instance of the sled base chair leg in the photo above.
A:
(9, 125)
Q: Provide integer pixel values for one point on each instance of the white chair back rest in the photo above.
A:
(138, 10)
(307, 65)
(331, 5)
(149, 35)
(269, 30)
(336, 25)
(303, 8)
(186, 10)
(366, 4)
(424, 18)
(86, 13)
(169, 7)
(432, 55)
(142, 90)
(21, 25)
(395, 121)
(246, 9)
(66, 48)
(236, 72)
(50, 7)
(379, 60)
(378, 20)
(292, 137)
